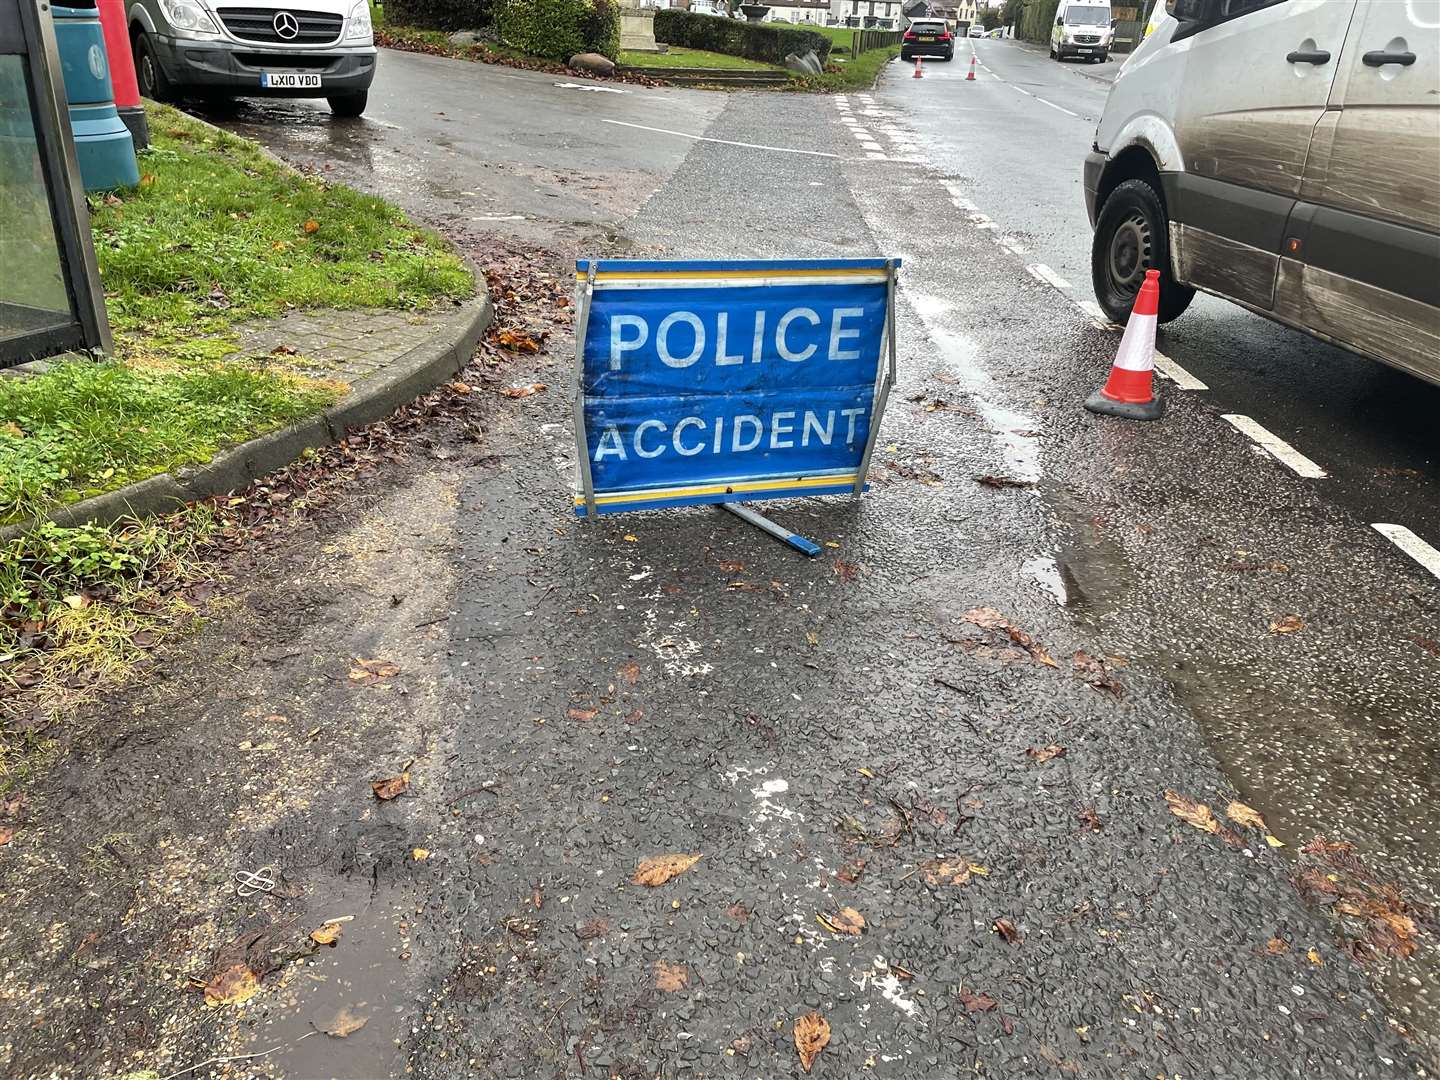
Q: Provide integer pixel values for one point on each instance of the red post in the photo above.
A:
(122, 70)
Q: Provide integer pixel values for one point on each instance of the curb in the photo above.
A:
(443, 355)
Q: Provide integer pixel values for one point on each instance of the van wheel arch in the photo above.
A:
(1133, 163)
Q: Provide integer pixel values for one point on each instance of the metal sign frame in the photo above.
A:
(885, 378)
(26, 31)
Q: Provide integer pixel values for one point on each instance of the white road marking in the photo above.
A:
(1042, 273)
(1411, 545)
(592, 89)
(1052, 105)
(1177, 374)
(873, 156)
(722, 142)
(1091, 308)
(1276, 447)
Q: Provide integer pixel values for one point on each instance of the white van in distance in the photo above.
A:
(1283, 154)
(1082, 28)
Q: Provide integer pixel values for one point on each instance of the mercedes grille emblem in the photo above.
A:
(286, 25)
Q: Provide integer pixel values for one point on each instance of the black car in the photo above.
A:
(928, 37)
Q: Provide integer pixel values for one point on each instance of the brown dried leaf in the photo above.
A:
(520, 342)
(231, 986)
(311, 226)
(845, 571)
(594, 928)
(732, 566)
(1006, 929)
(851, 871)
(845, 921)
(522, 391)
(671, 977)
(987, 618)
(812, 1034)
(346, 1023)
(328, 934)
(581, 714)
(461, 388)
(976, 1002)
(1248, 816)
(1001, 482)
(1042, 754)
(1287, 624)
(630, 672)
(367, 672)
(1277, 946)
(1313, 955)
(6, 835)
(1090, 819)
(661, 868)
(1192, 812)
(391, 786)
(940, 872)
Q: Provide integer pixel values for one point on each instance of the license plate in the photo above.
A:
(927, 37)
(289, 80)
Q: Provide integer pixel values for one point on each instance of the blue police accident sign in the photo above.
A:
(707, 382)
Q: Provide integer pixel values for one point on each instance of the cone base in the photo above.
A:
(1153, 409)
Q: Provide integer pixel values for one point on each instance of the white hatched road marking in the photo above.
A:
(1276, 447)
(1411, 545)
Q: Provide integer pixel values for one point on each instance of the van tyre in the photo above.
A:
(1132, 235)
(348, 104)
(149, 75)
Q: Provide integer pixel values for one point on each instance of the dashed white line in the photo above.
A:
(1177, 374)
(1042, 273)
(1411, 545)
(1276, 447)
(1052, 105)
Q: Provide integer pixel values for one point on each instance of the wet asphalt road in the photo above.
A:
(758, 694)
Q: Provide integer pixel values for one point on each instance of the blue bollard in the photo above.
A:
(103, 146)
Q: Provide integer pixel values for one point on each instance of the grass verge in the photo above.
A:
(677, 57)
(216, 233)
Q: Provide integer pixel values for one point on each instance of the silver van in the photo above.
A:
(255, 48)
(1283, 154)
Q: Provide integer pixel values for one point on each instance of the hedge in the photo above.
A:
(1039, 17)
(558, 29)
(768, 44)
(440, 14)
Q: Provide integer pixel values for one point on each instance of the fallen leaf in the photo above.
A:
(461, 388)
(671, 977)
(1192, 812)
(575, 713)
(732, 566)
(522, 391)
(845, 571)
(976, 1002)
(812, 1033)
(368, 672)
(1313, 955)
(231, 986)
(739, 912)
(630, 672)
(6, 835)
(1276, 946)
(1042, 754)
(1003, 482)
(512, 339)
(1006, 929)
(345, 1023)
(1090, 819)
(591, 929)
(845, 921)
(311, 226)
(940, 872)
(76, 601)
(14, 430)
(420, 854)
(328, 934)
(147, 180)
(630, 538)
(1287, 625)
(391, 786)
(661, 868)
(284, 350)
(987, 618)
(1248, 816)
(1274, 841)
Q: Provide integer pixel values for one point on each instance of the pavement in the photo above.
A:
(848, 732)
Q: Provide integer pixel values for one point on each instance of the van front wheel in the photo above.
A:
(1132, 236)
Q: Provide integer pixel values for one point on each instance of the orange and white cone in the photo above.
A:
(971, 77)
(917, 74)
(1130, 390)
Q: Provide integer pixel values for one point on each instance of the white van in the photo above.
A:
(1082, 28)
(1283, 154)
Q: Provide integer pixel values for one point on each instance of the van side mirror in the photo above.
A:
(1191, 10)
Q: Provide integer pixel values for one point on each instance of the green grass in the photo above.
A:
(677, 57)
(215, 234)
(840, 36)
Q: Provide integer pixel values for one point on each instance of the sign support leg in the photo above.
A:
(784, 535)
(582, 440)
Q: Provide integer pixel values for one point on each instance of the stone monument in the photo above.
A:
(637, 28)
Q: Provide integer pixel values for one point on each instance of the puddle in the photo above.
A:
(360, 985)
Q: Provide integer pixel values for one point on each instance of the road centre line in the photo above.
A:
(722, 142)
(1411, 545)
(1276, 447)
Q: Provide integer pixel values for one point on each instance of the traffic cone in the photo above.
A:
(1129, 392)
(918, 74)
(971, 76)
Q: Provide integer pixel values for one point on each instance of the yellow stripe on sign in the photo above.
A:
(711, 275)
(722, 489)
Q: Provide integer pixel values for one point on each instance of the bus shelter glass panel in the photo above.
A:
(33, 293)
